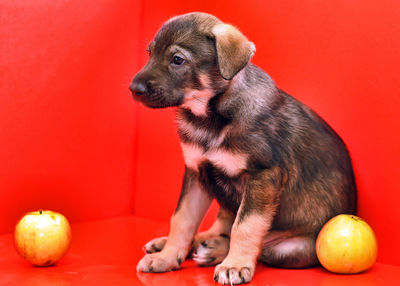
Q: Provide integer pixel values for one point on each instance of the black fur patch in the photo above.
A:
(220, 186)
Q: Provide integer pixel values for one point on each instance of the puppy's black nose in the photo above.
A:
(138, 88)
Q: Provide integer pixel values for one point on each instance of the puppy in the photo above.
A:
(277, 170)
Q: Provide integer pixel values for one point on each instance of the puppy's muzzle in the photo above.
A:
(144, 92)
(138, 89)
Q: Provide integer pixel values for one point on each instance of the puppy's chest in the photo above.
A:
(203, 141)
(219, 169)
(225, 161)
(220, 172)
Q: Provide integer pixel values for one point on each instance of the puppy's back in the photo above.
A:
(278, 130)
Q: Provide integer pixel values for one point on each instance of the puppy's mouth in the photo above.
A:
(153, 95)
(154, 105)
(154, 100)
(148, 103)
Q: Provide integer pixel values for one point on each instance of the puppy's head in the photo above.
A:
(191, 55)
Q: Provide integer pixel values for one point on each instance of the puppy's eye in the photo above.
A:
(178, 61)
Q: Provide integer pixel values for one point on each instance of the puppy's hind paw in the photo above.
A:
(211, 251)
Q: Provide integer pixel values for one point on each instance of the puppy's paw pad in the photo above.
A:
(157, 262)
(155, 245)
(232, 275)
(211, 251)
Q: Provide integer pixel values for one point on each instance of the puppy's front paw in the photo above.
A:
(158, 262)
(233, 274)
(155, 245)
(211, 251)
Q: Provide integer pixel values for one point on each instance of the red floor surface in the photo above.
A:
(106, 253)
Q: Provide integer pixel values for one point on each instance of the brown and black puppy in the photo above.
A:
(277, 170)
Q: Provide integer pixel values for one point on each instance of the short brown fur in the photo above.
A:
(277, 170)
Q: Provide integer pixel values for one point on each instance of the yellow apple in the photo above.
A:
(347, 244)
(42, 237)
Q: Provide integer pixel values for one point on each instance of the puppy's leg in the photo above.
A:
(254, 218)
(192, 205)
(211, 247)
(246, 238)
(289, 249)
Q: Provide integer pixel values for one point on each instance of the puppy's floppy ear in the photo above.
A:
(233, 49)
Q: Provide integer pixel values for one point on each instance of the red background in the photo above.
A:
(73, 140)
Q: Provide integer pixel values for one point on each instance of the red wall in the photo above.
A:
(72, 140)
(67, 121)
(339, 57)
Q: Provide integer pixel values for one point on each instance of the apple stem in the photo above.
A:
(40, 212)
